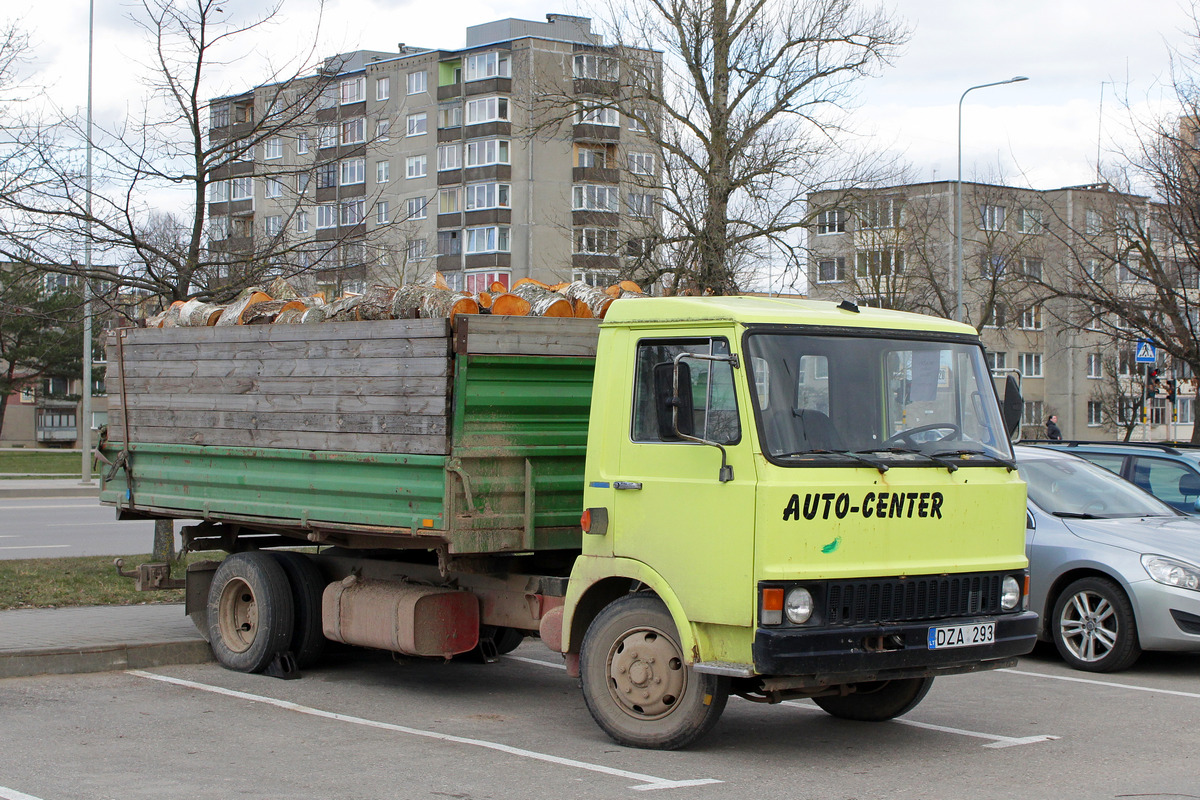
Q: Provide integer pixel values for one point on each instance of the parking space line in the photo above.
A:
(1112, 684)
(537, 661)
(995, 740)
(648, 782)
(13, 794)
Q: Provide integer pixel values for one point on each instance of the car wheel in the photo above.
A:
(1093, 626)
(250, 611)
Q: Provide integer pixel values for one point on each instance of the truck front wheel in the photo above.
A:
(635, 681)
(250, 611)
(877, 701)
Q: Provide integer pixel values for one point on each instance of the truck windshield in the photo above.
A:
(880, 399)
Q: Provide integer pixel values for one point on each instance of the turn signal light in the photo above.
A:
(772, 607)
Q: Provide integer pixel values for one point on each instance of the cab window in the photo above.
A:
(710, 384)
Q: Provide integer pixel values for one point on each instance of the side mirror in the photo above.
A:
(665, 401)
(1012, 406)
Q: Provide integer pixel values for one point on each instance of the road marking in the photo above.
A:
(94, 524)
(30, 546)
(537, 661)
(1112, 684)
(86, 503)
(649, 782)
(13, 794)
(996, 741)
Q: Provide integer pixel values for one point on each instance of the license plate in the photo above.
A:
(962, 635)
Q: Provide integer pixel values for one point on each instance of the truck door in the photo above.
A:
(672, 510)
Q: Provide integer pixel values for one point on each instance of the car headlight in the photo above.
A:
(1172, 572)
(799, 606)
(1010, 593)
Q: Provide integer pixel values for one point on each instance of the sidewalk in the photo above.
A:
(47, 487)
(60, 641)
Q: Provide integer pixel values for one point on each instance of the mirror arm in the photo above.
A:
(726, 473)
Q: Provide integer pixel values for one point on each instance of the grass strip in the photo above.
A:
(82, 581)
(52, 464)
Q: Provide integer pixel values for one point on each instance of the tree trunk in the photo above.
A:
(590, 302)
(543, 302)
(508, 304)
(431, 302)
(377, 303)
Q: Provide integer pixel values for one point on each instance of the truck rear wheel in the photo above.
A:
(250, 611)
(635, 681)
(877, 701)
(307, 584)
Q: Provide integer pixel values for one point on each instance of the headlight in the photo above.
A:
(799, 606)
(1171, 572)
(1010, 593)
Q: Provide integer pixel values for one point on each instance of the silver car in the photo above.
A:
(1113, 570)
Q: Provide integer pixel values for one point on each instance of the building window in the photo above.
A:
(483, 152)
(481, 66)
(383, 88)
(242, 189)
(383, 171)
(302, 222)
(591, 157)
(417, 82)
(492, 239)
(272, 187)
(1185, 410)
(1125, 411)
(353, 90)
(640, 205)
(589, 197)
(599, 241)
(831, 270)
(596, 67)
(874, 263)
(273, 148)
(1158, 411)
(1030, 221)
(218, 115)
(879, 214)
(302, 143)
(218, 228)
(354, 131)
(381, 212)
(383, 127)
(327, 136)
(327, 175)
(1031, 268)
(450, 116)
(487, 109)
(449, 200)
(417, 250)
(641, 163)
(487, 195)
(598, 278)
(1031, 365)
(418, 124)
(354, 171)
(218, 191)
(415, 167)
(831, 221)
(592, 112)
(273, 225)
(1129, 271)
(1092, 223)
(329, 97)
(1031, 318)
(991, 218)
(326, 216)
(1031, 412)
(449, 243)
(302, 179)
(991, 266)
(1095, 366)
(414, 208)
(449, 156)
(1095, 413)
(477, 282)
(636, 120)
(996, 361)
(352, 212)
(243, 227)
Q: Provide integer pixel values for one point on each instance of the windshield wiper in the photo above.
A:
(1011, 465)
(941, 462)
(1076, 515)
(870, 462)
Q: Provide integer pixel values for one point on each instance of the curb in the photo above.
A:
(103, 658)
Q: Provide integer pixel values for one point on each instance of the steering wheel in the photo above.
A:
(906, 437)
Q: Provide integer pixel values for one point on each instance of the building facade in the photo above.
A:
(503, 160)
(897, 247)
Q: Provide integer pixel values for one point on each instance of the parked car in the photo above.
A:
(1170, 472)
(1113, 570)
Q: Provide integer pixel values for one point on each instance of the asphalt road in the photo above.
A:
(363, 727)
(51, 527)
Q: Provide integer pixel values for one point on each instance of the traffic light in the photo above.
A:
(1171, 386)
(1152, 381)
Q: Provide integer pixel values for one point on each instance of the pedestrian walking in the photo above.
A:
(1052, 431)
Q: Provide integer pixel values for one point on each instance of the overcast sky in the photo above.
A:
(1041, 133)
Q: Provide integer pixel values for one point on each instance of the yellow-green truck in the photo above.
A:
(696, 497)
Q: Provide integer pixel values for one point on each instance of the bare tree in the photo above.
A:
(742, 105)
(182, 149)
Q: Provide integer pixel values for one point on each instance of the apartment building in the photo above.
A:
(896, 247)
(506, 159)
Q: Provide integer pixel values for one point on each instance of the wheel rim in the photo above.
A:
(1089, 626)
(646, 674)
(238, 615)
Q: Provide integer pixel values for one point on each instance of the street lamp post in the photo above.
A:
(85, 424)
(958, 263)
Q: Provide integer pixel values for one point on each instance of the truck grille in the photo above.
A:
(911, 599)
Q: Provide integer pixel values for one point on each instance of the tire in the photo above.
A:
(1093, 626)
(307, 584)
(250, 611)
(635, 681)
(877, 701)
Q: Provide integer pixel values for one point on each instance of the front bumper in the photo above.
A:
(866, 652)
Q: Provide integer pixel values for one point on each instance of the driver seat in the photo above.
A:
(818, 431)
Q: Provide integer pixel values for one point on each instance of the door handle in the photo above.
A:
(626, 485)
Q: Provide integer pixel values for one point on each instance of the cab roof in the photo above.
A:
(752, 310)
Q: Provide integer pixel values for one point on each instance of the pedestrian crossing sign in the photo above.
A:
(1146, 353)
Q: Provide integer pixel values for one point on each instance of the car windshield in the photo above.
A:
(1071, 487)
(921, 403)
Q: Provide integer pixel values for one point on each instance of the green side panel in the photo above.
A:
(519, 438)
(283, 487)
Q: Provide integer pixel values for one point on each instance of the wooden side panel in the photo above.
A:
(528, 336)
